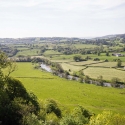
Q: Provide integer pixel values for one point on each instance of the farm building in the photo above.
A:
(117, 54)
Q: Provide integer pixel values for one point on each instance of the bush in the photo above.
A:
(96, 59)
(107, 118)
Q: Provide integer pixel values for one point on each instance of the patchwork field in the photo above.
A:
(30, 52)
(107, 73)
(84, 45)
(73, 68)
(51, 52)
(84, 63)
(70, 93)
(107, 64)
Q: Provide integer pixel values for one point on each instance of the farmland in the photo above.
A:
(106, 73)
(95, 60)
(69, 93)
(29, 52)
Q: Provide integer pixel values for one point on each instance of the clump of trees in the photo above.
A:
(78, 58)
(119, 63)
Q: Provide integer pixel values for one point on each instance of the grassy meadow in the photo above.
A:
(72, 68)
(83, 63)
(51, 52)
(84, 45)
(107, 73)
(29, 52)
(70, 93)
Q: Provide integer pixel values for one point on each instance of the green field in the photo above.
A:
(30, 52)
(84, 45)
(102, 57)
(51, 52)
(70, 93)
(22, 48)
(107, 64)
(73, 68)
(84, 63)
(107, 73)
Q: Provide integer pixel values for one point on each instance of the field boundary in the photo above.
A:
(35, 77)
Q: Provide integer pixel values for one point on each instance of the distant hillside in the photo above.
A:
(111, 36)
(28, 40)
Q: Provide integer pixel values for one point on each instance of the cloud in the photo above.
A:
(66, 16)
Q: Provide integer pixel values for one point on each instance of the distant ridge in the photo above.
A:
(111, 36)
(30, 39)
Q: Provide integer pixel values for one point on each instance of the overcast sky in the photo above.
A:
(61, 18)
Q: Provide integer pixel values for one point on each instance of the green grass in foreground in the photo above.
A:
(70, 93)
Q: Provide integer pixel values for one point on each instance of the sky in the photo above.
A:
(61, 18)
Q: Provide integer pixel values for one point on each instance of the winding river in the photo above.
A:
(45, 67)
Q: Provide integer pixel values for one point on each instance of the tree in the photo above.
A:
(15, 101)
(86, 78)
(77, 58)
(119, 63)
(101, 119)
(98, 53)
(81, 80)
(51, 106)
(115, 80)
(107, 118)
(79, 116)
(100, 80)
(107, 53)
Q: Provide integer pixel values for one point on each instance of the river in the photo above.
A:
(45, 67)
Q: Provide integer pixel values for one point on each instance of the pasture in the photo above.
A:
(107, 73)
(82, 63)
(70, 93)
(107, 64)
(30, 52)
(51, 52)
(73, 68)
(84, 45)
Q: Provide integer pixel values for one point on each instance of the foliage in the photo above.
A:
(80, 80)
(52, 106)
(100, 80)
(115, 80)
(86, 78)
(107, 118)
(101, 119)
(32, 119)
(77, 58)
(13, 97)
(96, 59)
(119, 63)
(79, 116)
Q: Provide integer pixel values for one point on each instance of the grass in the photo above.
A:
(70, 93)
(107, 64)
(51, 52)
(102, 57)
(84, 45)
(83, 63)
(107, 73)
(73, 68)
(61, 61)
(30, 52)
(22, 48)
(64, 57)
